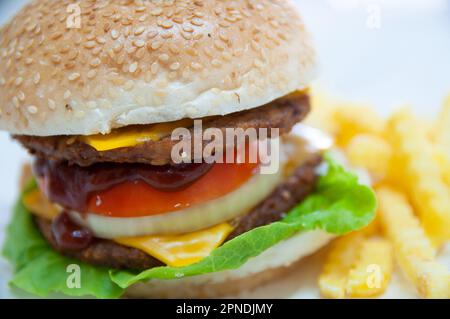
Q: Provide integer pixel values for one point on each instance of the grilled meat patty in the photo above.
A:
(282, 113)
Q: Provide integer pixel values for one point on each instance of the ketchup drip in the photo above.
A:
(68, 235)
(71, 186)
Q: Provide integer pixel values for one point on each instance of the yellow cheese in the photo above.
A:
(133, 135)
(38, 204)
(180, 250)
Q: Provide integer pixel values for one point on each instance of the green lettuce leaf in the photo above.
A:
(338, 205)
(40, 270)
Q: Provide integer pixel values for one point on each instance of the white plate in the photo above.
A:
(388, 53)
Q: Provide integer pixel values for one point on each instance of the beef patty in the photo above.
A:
(108, 253)
(282, 113)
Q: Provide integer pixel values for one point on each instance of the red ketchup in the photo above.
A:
(68, 235)
(72, 186)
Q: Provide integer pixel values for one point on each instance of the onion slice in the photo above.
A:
(197, 217)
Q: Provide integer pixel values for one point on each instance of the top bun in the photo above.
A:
(86, 68)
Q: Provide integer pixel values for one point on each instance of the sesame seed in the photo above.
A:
(224, 24)
(121, 59)
(139, 43)
(140, 53)
(72, 55)
(164, 57)
(178, 20)
(69, 65)
(51, 104)
(139, 30)
(128, 85)
(67, 94)
(227, 56)
(172, 75)
(167, 35)
(56, 59)
(18, 81)
(197, 22)
(198, 36)
(32, 109)
(175, 66)
(90, 44)
(117, 47)
(133, 67)
(196, 66)
(154, 68)
(152, 34)
(174, 49)
(156, 12)
(74, 76)
(167, 24)
(216, 63)
(187, 28)
(208, 52)
(156, 45)
(101, 40)
(90, 37)
(16, 102)
(186, 36)
(56, 35)
(91, 74)
(21, 96)
(219, 45)
(96, 62)
(191, 51)
(115, 34)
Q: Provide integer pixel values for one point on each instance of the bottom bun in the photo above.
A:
(259, 270)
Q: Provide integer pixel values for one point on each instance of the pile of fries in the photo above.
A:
(409, 163)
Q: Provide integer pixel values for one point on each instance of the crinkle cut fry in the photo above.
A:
(423, 179)
(413, 250)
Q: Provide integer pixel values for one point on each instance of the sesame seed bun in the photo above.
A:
(142, 62)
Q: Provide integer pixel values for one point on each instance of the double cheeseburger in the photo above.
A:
(95, 97)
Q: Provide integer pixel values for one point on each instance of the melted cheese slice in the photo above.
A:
(175, 250)
(180, 250)
(133, 135)
(39, 205)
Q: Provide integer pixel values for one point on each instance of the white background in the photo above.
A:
(388, 53)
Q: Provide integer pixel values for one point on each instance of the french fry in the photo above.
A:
(413, 250)
(371, 152)
(322, 111)
(442, 139)
(373, 228)
(340, 259)
(420, 174)
(353, 119)
(442, 135)
(372, 270)
(443, 159)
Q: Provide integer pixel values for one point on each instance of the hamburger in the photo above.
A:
(94, 90)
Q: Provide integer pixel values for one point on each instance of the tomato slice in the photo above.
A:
(135, 199)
